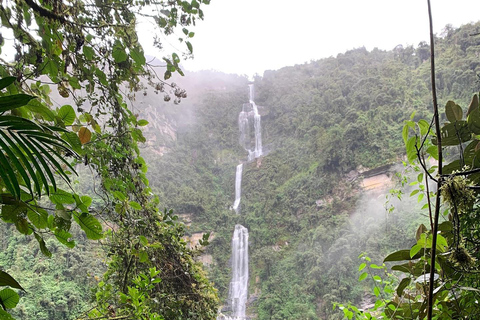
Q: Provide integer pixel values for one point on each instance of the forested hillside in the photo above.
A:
(324, 123)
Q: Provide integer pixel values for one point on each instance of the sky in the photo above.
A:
(248, 37)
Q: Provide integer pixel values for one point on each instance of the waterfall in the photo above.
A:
(249, 110)
(257, 124)
(238, 292)
(238, 187)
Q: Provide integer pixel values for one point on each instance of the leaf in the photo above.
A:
(88, 52)
(458, 132)
(189, 45)
(473, 104)
(138, 56)
(119, 54)
(402, 255)
(402, 285)
(414, 250)
(64, 237)
(453, 111)
(363, 276)
(473, 120)
(5, 82)
(142, 123)
(84, 135)
(60, 196)
(43, 246)
(38, 217)
(67, 114)
(135, 205)
(14, 101)
(119, 195)
(376, 291)
(9, 298)
(8, 280)
(89, 224)
(362, 266)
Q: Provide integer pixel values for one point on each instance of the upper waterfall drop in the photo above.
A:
(252, 146)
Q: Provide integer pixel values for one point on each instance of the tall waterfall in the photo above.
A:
(238, 292)
(238, 187)
(249, 111)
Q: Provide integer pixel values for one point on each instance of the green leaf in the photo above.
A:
(414, 250)
(138, 56)
(14, 101)
(362, 266)
(5, 82)
(142, 123)
(88, 52)
(135, 205)
(43, 246)
(473, 104)
(67, 114)
(189, 45)
(9, 298)
(473, 121)
(60, 196)
(119, 54)
(119, 195)
(38, 217)
(363, 276)
(401, 255)
(64, 237)
(402, 285)
(8, 280)
(90, 225)
(453, 111)
(376, 291)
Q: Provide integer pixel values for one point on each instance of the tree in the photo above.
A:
(89, 52)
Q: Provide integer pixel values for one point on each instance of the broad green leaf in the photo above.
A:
(5, 82)
(362, 266)
(138, 56)
(88, 52)
(363, 276)
(414, 250)
(67, 114)
(73, 81)
(90, 225)
(60, 196)
(9, 298)
(119, 54)
(473, 121)
(135, 205)
(142, 123)
(36, 106)
(8, 280)
(64, 237)
(402, 255)
(189, 45)
(72, 139)
(458, 132)
(376, 291)
(87, 201)
(38, 217)
(473, 104)
(119, 195)
(453, 111)
(14, 101)
(402, 285)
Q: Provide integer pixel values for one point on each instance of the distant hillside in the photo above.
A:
(324, 123)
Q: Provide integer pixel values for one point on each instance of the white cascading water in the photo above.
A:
(238, 292)
(238, 187)
(248, 110)
(257, 124)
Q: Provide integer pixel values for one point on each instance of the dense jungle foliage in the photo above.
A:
(66, 110)
(324, 123)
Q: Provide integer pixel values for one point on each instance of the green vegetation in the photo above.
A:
(89, 53)
(324, 122)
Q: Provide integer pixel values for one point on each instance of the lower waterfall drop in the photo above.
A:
(238, 291)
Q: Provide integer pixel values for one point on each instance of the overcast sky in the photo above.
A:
(251, 36)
